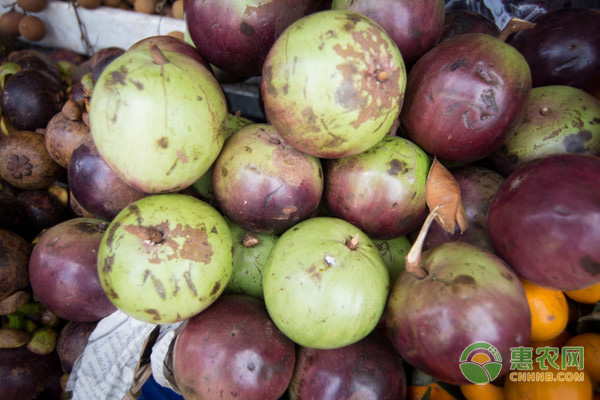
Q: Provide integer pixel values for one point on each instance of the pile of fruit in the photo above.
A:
(418, 217)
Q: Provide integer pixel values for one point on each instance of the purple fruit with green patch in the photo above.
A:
(394, 251)
(560, 119)
(381, 190)
(263, 183)
(170, 43)
(468, 295)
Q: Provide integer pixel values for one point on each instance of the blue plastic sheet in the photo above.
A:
(153, 391)
(501, 11)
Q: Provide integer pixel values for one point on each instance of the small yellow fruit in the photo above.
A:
(145, 6)
(32, 28)
(177, 34)
(32, 5)
(112, 3)
(90, 4)
(9, 22)
(177, 9)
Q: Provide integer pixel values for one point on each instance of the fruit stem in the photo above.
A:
(514, 25)
(154, 236)
(249, 240)
(158, 56)
(352, 243)
(545, 111)
(381, 76)
(413, 258)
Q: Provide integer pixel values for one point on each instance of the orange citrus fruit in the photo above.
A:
(557, 341)
(436, 392)
(550, 384)
(590, 341)
(587, 295)
(487, 391)
(549, 311)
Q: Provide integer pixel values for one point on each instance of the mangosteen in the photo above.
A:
(24, 375)
(34, 59)
(25, 162)
(42, 210)
(30, 98)
(14, 260)
(11, 215)
(72, 340)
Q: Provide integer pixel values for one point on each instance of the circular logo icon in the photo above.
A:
(480, 362)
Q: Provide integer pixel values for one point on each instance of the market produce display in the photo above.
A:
(417, 215)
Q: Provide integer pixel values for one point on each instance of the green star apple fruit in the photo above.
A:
(559, 119)
(158, 119)
(165, 258)
(394, 253)
(250, 253)
(333, 83)
(325, 284)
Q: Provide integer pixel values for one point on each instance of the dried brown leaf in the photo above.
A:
(443, 192)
